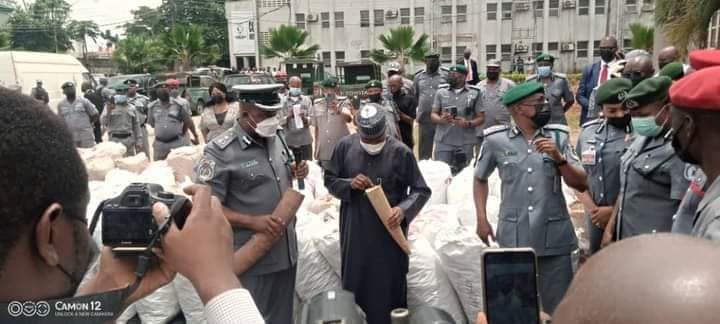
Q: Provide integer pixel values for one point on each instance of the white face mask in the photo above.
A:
(267, 127)
(372, 149)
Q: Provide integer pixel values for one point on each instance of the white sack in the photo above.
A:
(136, 163)
(160, 173)
(438, 176)
(110, 149)
(183, 159)
(327, 240)
(314, 274)
(433, 219)
(460, 252)
(127, 315)
(427, 283)
(98, 167)
(189, 300)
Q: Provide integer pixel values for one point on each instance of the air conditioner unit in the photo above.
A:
(648, 7)
(521, 48)
(312, 18)
(522, 6)
(391, 14)
(507, 15)
(567, 47)
(568, 4)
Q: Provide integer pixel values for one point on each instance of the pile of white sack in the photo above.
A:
(445, 264)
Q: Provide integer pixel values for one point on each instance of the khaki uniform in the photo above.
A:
(331, 127)
(141, 104)
(123, 126)
(557, 91)
(169, 125)
(78, 117)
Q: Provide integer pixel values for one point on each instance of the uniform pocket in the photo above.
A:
(559, 233)
(253, 180)
(509, 169)
(549, 168)
(507, 228)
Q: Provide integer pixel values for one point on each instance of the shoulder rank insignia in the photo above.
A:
(225, 139)
(558, 127)
(495, 129)
(592, 122)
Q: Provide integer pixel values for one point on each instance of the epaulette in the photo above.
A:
(475, 87)
(444, 86)
(224, 140)
(318, 100)
(592, 122)
(558, 127)
(560, 75)
(419, 71)
(495, 129)
(153, 103)
(531, 77)
(444, 69)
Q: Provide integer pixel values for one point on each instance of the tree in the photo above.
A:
(685, 22)
(139, 54)
(400, 45)
(4, 40)
(81, 31)
(41, 26)
(186, 46)
(289, 42)
(643, 36)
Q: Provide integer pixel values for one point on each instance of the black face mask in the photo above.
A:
(635, 78)
(164, 96)
(682, 152)
(218, 99)
(619, 122)
(493, 76)
(542, 115)
(375, 98)
(432, 66)
(607, 55)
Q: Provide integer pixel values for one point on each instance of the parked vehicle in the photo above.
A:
(142, 79)
(194, 88)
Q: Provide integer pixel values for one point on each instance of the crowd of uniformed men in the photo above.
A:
(646, 160)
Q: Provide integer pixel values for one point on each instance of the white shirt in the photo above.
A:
(233, 306)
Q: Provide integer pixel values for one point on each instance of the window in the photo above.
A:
(537, 48)
(265, 38)
(300, 21)
(446, 55)
(446, 12)
(273, 3)
(339, 56)
(461, 13)
(582, 49)
(507, 11)
(631, 6)
(599, 7)
(419, 15)
(553, 46)
(627, 45)
(596, 48)
(506, 51)
(538, 8)
(364, 18)
(364, 54)
(554, 8)
(339, 19)
(405, 16)
(379, 16)
(459, 52)
(326, 58)
(583, 7)
(492, 11)
(490, 52)
(325, 19)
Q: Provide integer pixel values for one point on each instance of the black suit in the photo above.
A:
(475, 75)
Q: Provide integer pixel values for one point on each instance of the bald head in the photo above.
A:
(668, 55)
(467, 53)
(609, 42)
(661, 278)
(295, 82)
(395, 83)
(639, 66)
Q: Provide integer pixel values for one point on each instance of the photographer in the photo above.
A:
(46, 249)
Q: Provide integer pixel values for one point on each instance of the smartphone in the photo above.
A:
(510, 286)
(453, 111)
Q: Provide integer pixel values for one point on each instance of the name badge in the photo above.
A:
(588, 156)
(249, 164)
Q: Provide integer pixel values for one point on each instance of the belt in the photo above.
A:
(167, 141)
(120, 135)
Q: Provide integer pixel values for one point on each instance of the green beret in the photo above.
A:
(373, 84)
(521, 92)
(545, 57)
(648, 91)
(613, 91)
(673, 71)
(460, 68)
(122, 87)
(432, 54)
(329, 83)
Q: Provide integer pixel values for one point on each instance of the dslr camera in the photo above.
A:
(128, 225)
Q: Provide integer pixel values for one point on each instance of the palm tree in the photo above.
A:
(685, 22)
(400, 45)
(643, 36)
(138, 54)
(82, 30)
(186, 46)
(288, 42)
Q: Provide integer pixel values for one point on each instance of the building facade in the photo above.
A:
(714, 31)
(512, 31)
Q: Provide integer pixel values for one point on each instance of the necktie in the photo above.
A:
(470, 71)
(604, 74)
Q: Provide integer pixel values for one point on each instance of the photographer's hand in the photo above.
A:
(203, 250)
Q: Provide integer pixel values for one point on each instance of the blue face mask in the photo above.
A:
(646, 126)
(295, 92)
(544, 71)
